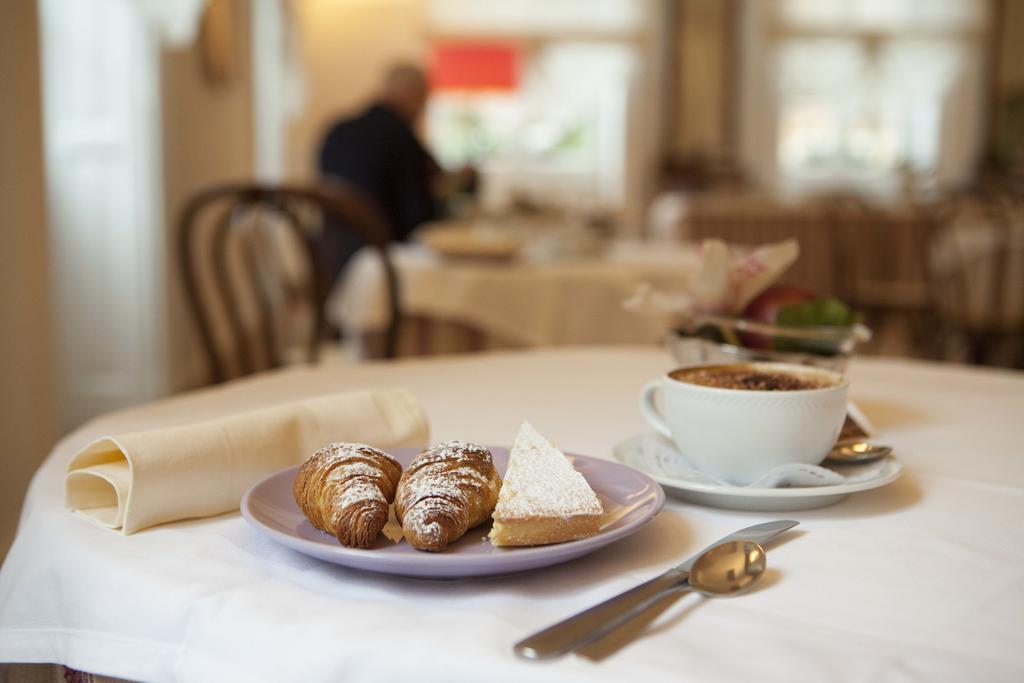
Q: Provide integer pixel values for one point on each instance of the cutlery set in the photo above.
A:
(728, 566)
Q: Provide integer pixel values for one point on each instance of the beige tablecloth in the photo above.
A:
(521, 303)
(922, 580)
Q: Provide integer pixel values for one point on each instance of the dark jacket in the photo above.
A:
(379, 152)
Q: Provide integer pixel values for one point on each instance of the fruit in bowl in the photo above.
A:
(765, 308)
(766, 305)
(789, 319)
(786, 307)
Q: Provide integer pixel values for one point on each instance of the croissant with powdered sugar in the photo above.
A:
(448, 489)
(346, 489)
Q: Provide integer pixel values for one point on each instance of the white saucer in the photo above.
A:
(761, 499)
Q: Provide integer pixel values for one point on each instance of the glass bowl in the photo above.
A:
(717, 339)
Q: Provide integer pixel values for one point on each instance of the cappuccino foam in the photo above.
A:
(752, 377)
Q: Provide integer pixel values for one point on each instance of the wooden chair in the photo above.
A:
(254, 266)
(878, 258)
(879, 254)
(976, 273)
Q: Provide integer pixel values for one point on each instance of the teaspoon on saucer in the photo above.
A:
(856, 453)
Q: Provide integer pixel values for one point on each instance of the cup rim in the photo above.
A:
(842, 383)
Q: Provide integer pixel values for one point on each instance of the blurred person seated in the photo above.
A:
(378, 151)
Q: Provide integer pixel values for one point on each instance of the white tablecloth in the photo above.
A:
(524, 302)
(921, 580)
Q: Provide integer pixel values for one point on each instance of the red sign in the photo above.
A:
(475, 66)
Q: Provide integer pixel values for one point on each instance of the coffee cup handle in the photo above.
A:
(650, 410)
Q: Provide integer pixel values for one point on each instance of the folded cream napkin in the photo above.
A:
(134, 481)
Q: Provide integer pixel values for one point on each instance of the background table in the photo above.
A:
(519, 303)
(920, 580)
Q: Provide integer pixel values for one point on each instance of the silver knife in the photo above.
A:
(599, 620)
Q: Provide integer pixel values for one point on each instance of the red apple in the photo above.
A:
(765, 308)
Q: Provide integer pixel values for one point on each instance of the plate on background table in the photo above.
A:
(755, 499)
(630, 499)
(455, 240)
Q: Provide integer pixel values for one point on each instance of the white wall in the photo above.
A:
(207, 130)
(347, 45)
(27, 395)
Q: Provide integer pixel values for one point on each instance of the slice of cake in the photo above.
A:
(543, 499)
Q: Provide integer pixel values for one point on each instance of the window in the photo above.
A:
(557, 136)
(865, 93)
(548, 118)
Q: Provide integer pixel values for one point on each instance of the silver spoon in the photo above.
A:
(726, 569)
(855, 453)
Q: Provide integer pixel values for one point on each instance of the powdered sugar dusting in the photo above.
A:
(358, 479)
(541, 482)
(352, 468)
(341, 450)
(359, 490)
(418, 518)
(447, 472)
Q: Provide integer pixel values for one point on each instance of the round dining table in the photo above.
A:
(920, 580)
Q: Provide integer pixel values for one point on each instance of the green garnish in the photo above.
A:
(819, 312)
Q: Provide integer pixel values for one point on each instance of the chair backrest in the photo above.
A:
(976, 263)
(879, 254)
(249, 271)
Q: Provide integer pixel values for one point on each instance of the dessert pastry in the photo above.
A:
(543, 499)
(448, 489)
(345, 489)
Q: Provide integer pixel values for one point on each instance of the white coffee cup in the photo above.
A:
(738, 435)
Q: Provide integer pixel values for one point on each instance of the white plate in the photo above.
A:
(762, 499)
